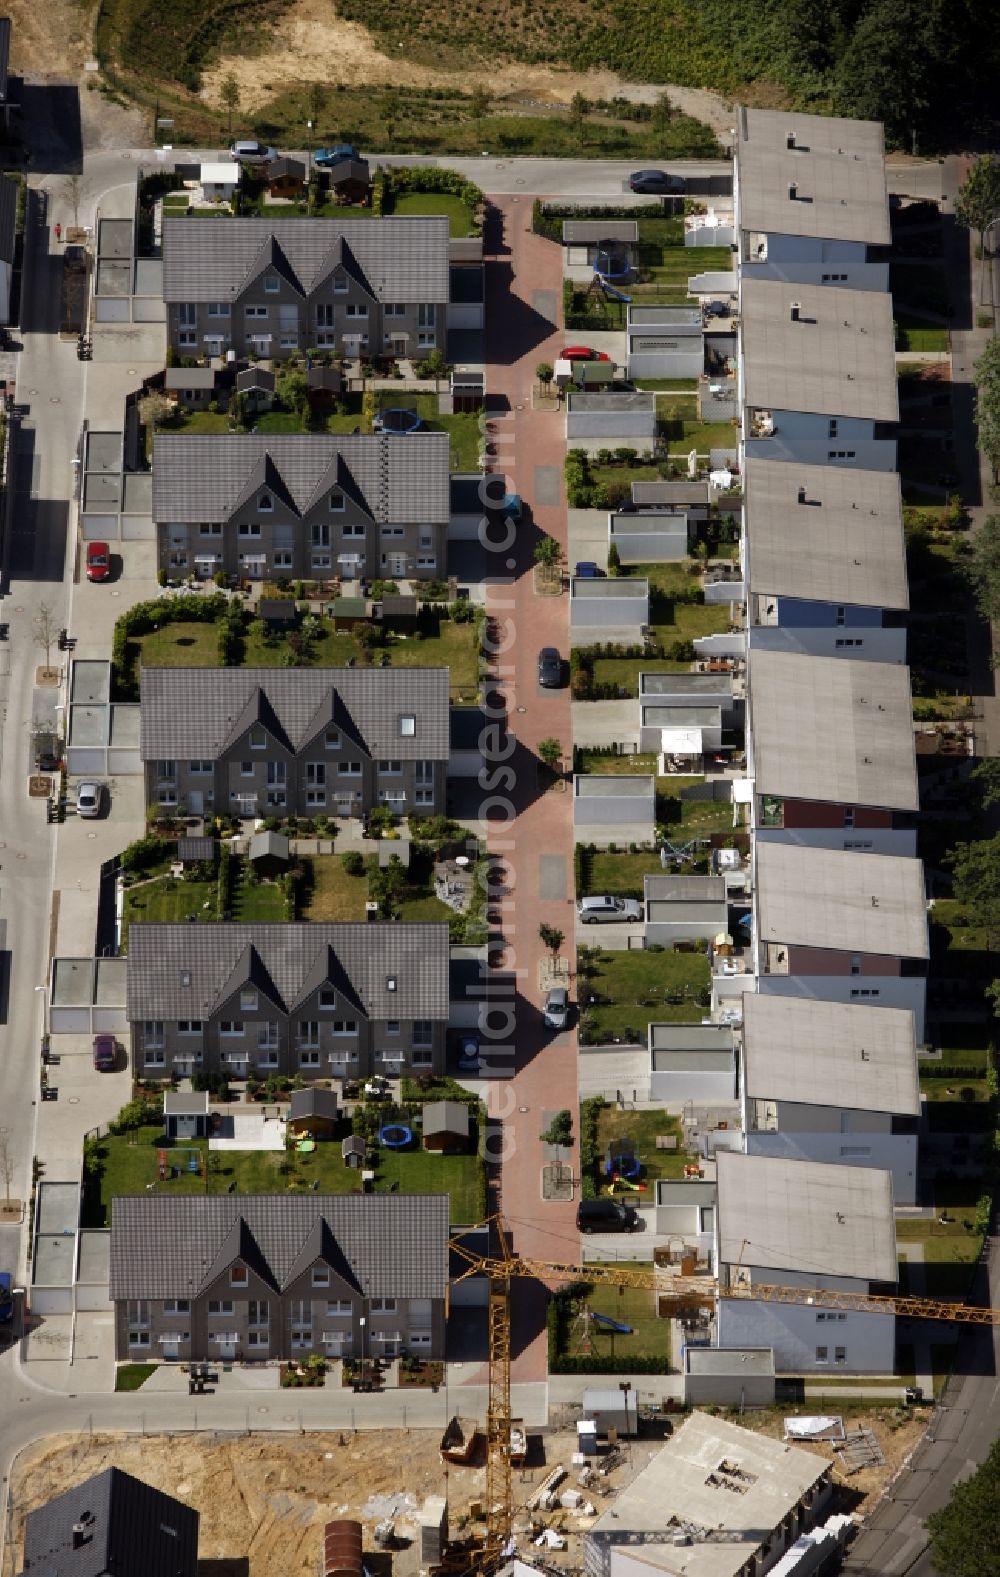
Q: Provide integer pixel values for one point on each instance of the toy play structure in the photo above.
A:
(621, 1162)
(395, 1136)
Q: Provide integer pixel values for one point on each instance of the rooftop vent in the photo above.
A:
(793, 191)
(794, 310)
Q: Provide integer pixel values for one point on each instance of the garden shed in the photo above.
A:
(197, 851)
(314, 1113)
(269, 853)
(185, 1115)
(446, 1126)
(352, 1150)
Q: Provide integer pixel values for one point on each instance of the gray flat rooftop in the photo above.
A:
(576, 232)
(614, 786)
(836, 359)
(729, 1360)
(684, 889)
(690, 1037)
(625, 590)
(702, 685)
(830, 1054)
(190, 378)
(103, 452)
(832, 729)
(656, 716)
(690, 1484)
(58, 1207)
(581, 400)
(843, 543)
(94, 1263)
(91, 681)
(646, 317)
(830, 898)
(837, 168)
(670, 492)
(649, 523)
(808, 1217)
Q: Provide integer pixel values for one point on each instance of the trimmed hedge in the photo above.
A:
(145, 617)
(590, 1111)
(558, 1322)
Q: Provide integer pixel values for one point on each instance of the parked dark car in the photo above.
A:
(105, 1053)
(325, 157)
(606, 1215)
(657, 181)
(550, 668)
(586, 569)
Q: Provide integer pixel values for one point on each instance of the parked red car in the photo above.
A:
(105, 1052)
(98, 561)
(583, 353)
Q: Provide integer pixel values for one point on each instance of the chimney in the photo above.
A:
(802, 495)
(794, 310)
(793, 191)
(79, 1535)
(790, 140)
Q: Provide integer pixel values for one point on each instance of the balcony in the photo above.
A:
(771, 812)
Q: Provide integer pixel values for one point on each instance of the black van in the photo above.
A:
(606, 1215)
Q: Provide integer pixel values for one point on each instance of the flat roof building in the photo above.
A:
(825, 533)
(833, 730)
(818, 349)
(830, 1054)
(835, 899)
(812, 175)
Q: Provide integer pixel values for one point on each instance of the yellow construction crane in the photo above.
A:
(682, 1292)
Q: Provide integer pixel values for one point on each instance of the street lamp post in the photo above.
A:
(45, 1010)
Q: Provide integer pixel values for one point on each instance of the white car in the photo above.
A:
(88, 800)
(249, 151)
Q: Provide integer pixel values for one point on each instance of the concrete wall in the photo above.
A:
(739, 1387)
(708, 1076)
(885, 991)
(862, 840)
(872, 644)
(796, 1331)
(895, 1153)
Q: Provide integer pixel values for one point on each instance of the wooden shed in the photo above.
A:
(446, 1126)
(185, 1114)
(286, 178)
(350, 181)
(314, 1113)
(325, 385)
(281, 613)
(269, 853)
(197, 851)
(352, 1150)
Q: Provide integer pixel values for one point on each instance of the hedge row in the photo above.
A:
(144, 617)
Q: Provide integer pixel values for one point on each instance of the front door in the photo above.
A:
(196, 802)
(227, 1352)
(170, 1350)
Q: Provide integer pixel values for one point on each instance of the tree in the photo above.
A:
(479, 103)
(317, 103)
(155, 410)
(69, 191)
(977, 205)
(229, 93)
(552, 937)
(662, 111)
(987, 775)
(886, 72)
(391, 109)
(548, 553)
(961, 1544)
(550, 751)
(983, 568)
(976, 883)
(560, 1129)
(614, 561)
(986, 374)
(436, 364)
(6, 1162)
(44, 629)
(544, 373)
(578, 108)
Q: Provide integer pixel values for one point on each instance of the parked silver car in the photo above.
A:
(556, 1011)
(88, 800)
(606, 910)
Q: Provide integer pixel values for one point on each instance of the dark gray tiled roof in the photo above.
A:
(5, 26)
(313, 1102)
(401, 259)
(129, 1528)
(446, 1117)
(162, 957)
(394, 1245)
(191, 713)
(202, 476)
(8, 216)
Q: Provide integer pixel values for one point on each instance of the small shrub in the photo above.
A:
(353, 863)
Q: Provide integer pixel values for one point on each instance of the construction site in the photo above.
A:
(265, 1501)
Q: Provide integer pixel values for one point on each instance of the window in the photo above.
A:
(177, 1305)
(283, 559)
(277, 773)
(321, 1276)
(289, 339)
(355, 530)
(258, 1313)
(201, 769)
(238, 1276)
(218, 309)
(246, 769)
(138, 1338)
(849, 816)
(344, 1026)
(407, 725)
(152, 1032)
(382, 1305)
(231, 1026)
(861, 845)
(189, 1026)
(187, 337)
(348, 769)
(265, 503)
(426, 561)
(422, 1059)
(309, 1032)
(272, 284)
(187, 314)
(426, 316)
(255, 310)
(426, 338)
(331, 739)
(166, 769)
(248, 528)
(391, 768)
(832, 432)
(864, 993)
(248, 1000)
(220, 1306)
(166, 795)
(338, 1306)
(336, 499)
(840, 1355)
(390, 983)
(357, 309)
(340, 285)
(392, 1026)
(822, 1355)
(394, 309)
(327, 998)
(424, 797)
(321, 558)
(210, 528)
(392, 531)
(308, 1059)
(267, 1035)
(324, 314)
(154, 1057)
(315, 796)
(319, 535)
(423, 1032)
(259, 1338)
(258, 739)
(856, 1152)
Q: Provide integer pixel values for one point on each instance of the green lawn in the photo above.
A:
(914, 334)
(620, 874)
(458, 214)
(666, 385)
(689, 818)
(679, 621)
(639, 988)
(633, 1306)
(665, 270)
(642, 1128)
(127, 1169)
(448, 644)
(624, 671)
(703, 436)
(130, 1376)
(329, 893)
(168, 899)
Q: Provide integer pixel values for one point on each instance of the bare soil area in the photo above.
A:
(266, 1498)
(310, 36)
(53, 38)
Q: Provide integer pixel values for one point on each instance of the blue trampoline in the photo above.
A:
(395, 1136)
(627, 1166)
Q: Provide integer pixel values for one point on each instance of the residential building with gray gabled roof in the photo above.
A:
(275, 287)
(283, 506)
(316, 1001)
(268, 1277)
(305, 742)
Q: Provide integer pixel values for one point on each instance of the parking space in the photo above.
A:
(588, 537)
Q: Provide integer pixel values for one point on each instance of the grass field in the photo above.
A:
(131, 1376)
(632, 1306)
(625, 671)
(459, 216)
(670, 267)
(620, 874)
(914, 334)
(330, 893)
(127, 1168)
(641, 988)
(642, 1129)
(689, 818)
(170, 899)
(195, 645)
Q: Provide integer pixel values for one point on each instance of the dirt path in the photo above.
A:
(311, 35)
